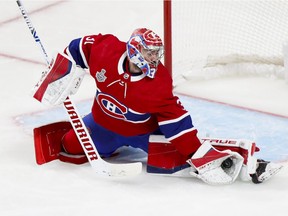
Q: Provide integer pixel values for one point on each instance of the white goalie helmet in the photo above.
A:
(145, 49)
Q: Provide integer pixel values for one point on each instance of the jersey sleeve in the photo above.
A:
(175, 122)
(75, 51)
(177, 126)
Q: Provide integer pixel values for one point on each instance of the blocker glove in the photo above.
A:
(59, 81)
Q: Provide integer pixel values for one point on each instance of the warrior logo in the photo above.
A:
(100, 76)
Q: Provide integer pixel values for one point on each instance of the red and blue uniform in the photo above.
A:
(128, 107)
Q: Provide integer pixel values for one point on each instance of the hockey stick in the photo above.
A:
(100, 166)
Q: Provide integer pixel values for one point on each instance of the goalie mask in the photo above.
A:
(145, 49)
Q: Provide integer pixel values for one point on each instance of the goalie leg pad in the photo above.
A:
(47, 141)
(163, 157)
(48, 144)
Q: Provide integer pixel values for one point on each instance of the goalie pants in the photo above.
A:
(105, 141)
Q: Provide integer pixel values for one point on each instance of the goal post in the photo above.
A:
(167, 34)
(211, 38)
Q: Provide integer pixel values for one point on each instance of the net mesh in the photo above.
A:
(223, 38)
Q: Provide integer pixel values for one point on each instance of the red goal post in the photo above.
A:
(211, 38)
(167, 34)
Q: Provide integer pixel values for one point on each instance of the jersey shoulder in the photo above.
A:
(102, 40)
(98, 49)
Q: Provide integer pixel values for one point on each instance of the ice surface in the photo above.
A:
(64, 189)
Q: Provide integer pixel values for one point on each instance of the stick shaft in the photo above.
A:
(33, 31)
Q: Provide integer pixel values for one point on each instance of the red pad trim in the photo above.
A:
(165, 156)
(47, 141)
(60, 68)
(211, 155)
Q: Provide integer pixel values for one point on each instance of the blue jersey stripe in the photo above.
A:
(74, 49)
(173, 128)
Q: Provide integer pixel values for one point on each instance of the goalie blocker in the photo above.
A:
(217, 161)
(60, 80)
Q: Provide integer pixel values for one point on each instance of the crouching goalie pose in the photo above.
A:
(134, 106)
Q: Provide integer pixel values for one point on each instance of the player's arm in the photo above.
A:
(207, 163)
(65, 72)
(176, 124)
(79, 50)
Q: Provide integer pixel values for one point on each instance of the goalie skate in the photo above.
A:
(265, 171)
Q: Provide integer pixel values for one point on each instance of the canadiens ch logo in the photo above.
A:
(111, 106)
(115, 109)
(100, 76)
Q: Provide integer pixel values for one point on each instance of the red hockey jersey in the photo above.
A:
(130, 104)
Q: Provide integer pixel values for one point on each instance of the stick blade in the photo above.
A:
(106, 169)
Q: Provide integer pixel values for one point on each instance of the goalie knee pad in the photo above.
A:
(163, 157)
(71, 144)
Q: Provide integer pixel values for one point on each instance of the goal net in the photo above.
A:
(215, 38)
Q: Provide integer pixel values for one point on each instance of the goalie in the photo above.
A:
(134, 106)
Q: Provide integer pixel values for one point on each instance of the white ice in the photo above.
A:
(63, 189)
